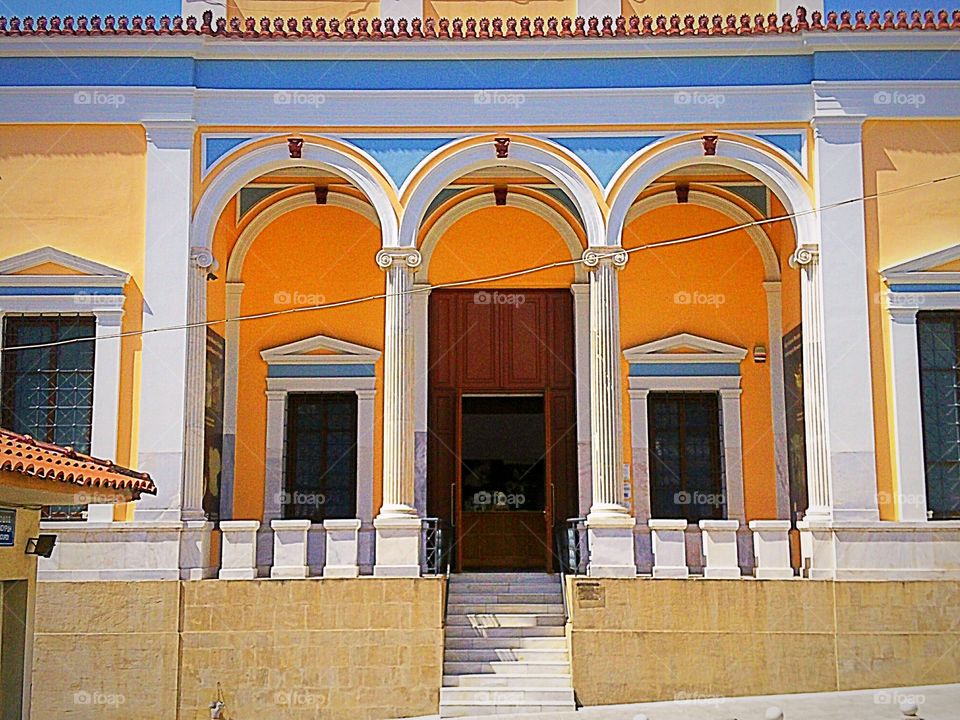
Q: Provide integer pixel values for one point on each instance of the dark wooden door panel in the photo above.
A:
(503, 541)
(480, 344)
(523, 335)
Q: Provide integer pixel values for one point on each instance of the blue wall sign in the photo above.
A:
(8, 527)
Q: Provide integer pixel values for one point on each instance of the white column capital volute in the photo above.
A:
(805, 255)
(203, 258)
(388, 257)
(607, 255)
(276, 395)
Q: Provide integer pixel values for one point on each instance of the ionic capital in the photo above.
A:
(805, 255)
(202, 257)
(611, 255)
(388, 257)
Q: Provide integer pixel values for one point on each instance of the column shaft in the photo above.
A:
(398, 383)
(814, 384)
(201, 259)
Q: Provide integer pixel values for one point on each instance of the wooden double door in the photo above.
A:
(501, 463)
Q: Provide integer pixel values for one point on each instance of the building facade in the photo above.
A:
(628, 295)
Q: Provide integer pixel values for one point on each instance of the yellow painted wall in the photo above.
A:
(901, 227)
(310, 255)
(698, 7)
(303, 8)
(711, 288)
(498, 240)
(82, 189)
(451, 9)
(15, 564)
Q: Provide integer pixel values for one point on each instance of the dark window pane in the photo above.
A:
(937, 334)
(321, 481)
(685, 469)
(47, 392)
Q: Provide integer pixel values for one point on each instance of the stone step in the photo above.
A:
(506, 654)
(506, 620)
(468, 709)
(532, 631)
(507, 695)
(505, 643)
(554, 596)
(515, 577)
(458, 608)
(514, 667)
(507, 680)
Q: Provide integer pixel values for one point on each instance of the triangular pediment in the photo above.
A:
(48, 261)
(932, 267)
(684, 348)
(320, 349)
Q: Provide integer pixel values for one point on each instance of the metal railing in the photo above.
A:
(437, 545)
(572, 550)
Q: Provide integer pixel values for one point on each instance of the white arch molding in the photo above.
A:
(555, 166)
(234, 296)
(768, 167)
(772, 288)
(276, 156)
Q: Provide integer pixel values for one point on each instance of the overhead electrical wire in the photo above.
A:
(422, 288)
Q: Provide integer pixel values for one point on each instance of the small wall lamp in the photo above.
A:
(41, 546)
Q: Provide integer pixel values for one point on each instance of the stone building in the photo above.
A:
(592, 297)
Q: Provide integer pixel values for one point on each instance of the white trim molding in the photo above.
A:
(913, 286)
(341, 367)
(704, 365)
(96, 290)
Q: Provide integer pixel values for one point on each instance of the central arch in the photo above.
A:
(538, 156)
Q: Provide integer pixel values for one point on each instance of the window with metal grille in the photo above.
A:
(321, 478)
(939, 339)
(686, 480)
(47, 392)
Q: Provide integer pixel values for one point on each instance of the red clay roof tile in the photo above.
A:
(22, 454)
(482, 29)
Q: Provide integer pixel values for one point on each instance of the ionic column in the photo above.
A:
(807, 258)
(397, 525)
(201, 262)
(609, 524)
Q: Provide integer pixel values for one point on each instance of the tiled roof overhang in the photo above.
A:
(482, 29)
(23, 455)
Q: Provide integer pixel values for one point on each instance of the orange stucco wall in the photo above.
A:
(498, 240)
(81, 189)
(901, 227)
(712, 288)
(308, 256)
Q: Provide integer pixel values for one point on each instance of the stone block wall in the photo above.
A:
(695, 639)
(364, 648)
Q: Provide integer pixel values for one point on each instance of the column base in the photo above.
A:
(195, 550)
(398, 546)
(342, 548)
(610, 540)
